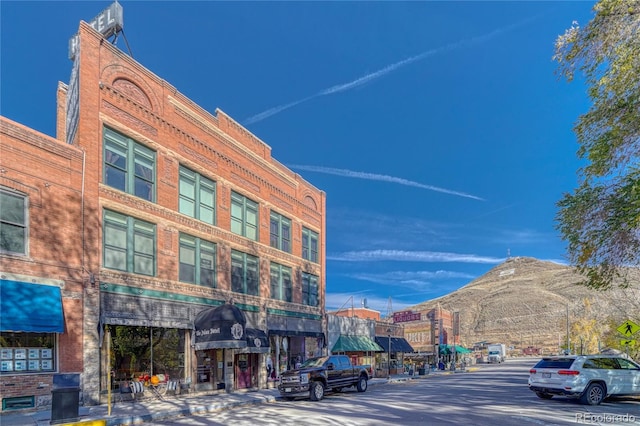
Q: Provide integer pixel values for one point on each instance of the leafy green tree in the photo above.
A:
(600, 220)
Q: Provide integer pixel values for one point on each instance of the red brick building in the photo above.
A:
(181, 247)
(364, 313)
(426, 329)
(43, 285)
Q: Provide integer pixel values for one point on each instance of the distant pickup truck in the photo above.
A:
(319, 375)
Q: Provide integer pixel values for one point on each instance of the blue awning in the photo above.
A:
(28, 307)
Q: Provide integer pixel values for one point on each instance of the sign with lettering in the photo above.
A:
(207, 332)
(73, 103)
(108, 22)
(406, 316)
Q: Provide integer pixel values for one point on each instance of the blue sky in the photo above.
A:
(438, 130)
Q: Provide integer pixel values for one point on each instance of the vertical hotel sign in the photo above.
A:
(73, 104)
(108, 22)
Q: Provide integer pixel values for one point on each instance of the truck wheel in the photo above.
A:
(316, 392)
(362, 384)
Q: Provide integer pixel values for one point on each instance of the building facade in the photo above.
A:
(196, 255)
(355, 337)
(42, 284)
(431, 332)
(363, 312)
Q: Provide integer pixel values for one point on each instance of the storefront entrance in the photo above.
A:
(246, 370)
(210, 369)
(141, 352)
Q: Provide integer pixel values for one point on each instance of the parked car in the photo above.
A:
(591, 378)
(318, 375)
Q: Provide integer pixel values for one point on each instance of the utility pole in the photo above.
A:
(568, 337)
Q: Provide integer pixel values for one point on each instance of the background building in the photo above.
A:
(362, 312)
(354, 337)
(431, 332)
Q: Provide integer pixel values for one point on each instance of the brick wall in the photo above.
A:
(48, 172)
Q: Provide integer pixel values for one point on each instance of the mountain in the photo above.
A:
(526, 302)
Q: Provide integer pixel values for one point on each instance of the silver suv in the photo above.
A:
(591, 378)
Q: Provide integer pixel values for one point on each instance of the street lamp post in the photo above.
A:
(389, 355)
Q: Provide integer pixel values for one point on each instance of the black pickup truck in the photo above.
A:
(318, 375)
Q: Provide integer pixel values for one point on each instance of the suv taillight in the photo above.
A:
(568, 372)
(532, 371)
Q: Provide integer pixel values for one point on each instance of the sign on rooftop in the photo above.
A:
(108, 22)
(406, 316)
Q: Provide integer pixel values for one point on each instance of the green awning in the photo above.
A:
(355, 344)
(448, 349)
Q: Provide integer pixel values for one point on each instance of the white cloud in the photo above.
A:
(387, 70)
(416, 279)
(377, 177)
(355, 228)
(563, 262)
(411, 256)
(521, 237)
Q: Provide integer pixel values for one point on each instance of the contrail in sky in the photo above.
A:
(383, 178)
(411, 256)
(386, 70)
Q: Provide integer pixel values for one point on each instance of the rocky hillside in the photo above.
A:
(524, 301)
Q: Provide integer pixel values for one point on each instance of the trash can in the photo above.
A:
(421, 371)
(65, 398)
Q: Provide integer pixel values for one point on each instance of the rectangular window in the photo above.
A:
(129, 244)
(244, 216)
(197, 261)
(244, 273)
(13, 223)
(310, 245)
(281, 283)
(129, 166)
(27, 352)
(280, 230)
(197, 196)
(309, 289)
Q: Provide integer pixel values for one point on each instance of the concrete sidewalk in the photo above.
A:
(153, 409)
